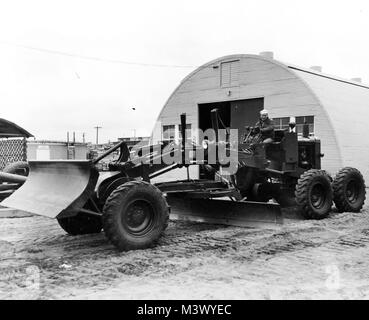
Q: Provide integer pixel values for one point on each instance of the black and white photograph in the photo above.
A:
(204, 151)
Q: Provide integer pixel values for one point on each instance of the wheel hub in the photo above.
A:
(352, 191)
(317, 196)
(138, 216)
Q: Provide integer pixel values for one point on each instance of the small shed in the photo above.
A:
(13, 144)
(241, 85)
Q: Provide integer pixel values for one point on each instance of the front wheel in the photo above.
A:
(314, 195)
(135, 215)
(349, 190)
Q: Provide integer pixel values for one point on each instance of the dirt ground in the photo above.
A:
(325, 259)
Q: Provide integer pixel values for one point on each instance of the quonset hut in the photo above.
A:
(241, 85)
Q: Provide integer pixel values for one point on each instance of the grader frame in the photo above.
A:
(134, 213)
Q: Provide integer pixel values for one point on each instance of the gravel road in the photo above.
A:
(324, 259)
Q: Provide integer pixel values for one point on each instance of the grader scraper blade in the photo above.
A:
(55, 188)
(226, 212)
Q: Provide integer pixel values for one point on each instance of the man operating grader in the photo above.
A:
(265, 127)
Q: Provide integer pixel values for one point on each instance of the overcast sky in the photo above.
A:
(162, 41)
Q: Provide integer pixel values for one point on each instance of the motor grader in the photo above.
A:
(134, 212)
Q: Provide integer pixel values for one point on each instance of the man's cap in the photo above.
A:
(264, 112)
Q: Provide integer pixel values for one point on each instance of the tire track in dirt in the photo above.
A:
(186, 251)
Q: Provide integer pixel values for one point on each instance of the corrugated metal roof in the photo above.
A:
(11, 130)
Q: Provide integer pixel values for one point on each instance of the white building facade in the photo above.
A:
(241, 85)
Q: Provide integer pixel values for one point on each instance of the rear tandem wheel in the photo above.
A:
(349, 190)
(314, 195)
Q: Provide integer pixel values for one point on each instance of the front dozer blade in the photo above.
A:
(226, 212)
(55, 188)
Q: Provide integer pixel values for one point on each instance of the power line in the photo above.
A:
(99, 59)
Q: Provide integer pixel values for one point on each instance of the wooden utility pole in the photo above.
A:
(67, 145)
(97, 134)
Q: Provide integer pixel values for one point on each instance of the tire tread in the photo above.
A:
(302, 187)
(339, 197)
(114, 200)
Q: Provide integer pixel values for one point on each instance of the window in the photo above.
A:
(229, 73)
(282, 123)
(305, 119)
(168, 133)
